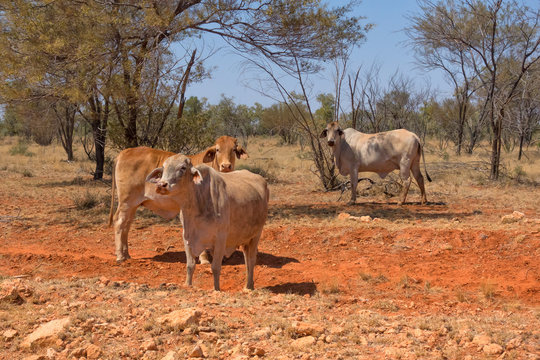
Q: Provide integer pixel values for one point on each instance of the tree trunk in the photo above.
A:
(521, 139)
(496, 146)
(65, 125)
(99, 143)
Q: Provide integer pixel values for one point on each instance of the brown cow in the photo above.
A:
(220, 212)
(134, 164)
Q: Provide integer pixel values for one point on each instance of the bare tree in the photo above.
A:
(500, 42)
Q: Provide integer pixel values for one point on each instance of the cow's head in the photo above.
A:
(224, 154)
(176, 170)
(332, 133)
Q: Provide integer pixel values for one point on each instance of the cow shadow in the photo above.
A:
(237, 258)
(301, 288)
(383, 210)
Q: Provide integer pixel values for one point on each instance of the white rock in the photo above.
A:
(493, 349)
(196, 352)
(304, 342)
(481, 340)
(171, 355)
(46, 333)
(181, 318)
(514, 217)
(10, 334)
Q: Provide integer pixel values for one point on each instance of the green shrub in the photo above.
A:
(27, 173)
(86, 201)
(259, 171)
(20, 149)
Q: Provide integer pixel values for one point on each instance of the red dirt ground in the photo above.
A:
(415, 255)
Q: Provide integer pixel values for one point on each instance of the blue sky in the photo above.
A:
(385, 45)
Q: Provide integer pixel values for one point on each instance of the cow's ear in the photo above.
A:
(155, 175)
(240, 152)
(324, 134)
(210, 154)
(340, 132)
(197, 176)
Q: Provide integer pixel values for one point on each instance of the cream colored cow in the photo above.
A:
(219, 211)
(381, 153)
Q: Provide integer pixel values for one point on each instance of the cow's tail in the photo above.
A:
(111, 211)
(424, 157)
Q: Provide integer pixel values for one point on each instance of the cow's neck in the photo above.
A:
(195, 203)
(336, 151)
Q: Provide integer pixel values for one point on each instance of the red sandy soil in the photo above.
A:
(449, 249)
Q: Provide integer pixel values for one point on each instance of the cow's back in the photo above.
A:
(381, 152)
(247, 196)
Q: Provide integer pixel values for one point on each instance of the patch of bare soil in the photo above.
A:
(442, 280)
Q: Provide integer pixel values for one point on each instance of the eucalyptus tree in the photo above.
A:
(117, 51)
(499, 42)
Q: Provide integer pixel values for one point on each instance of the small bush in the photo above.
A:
(259, 170)
(519, 173)
(86, 201)
(330, 288)
(488, 289)
(27, 173)
(20, 149)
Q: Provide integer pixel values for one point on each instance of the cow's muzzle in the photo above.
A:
(162, 187)
(226, 167)
(331, 142)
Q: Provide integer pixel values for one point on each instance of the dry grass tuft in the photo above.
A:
(330, 288)
(87, 200)
(488, 290)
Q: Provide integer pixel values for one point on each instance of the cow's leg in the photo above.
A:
(419, 180)
(217, 258)
(122, 222)
(250, 257)
(190, 264)
(354, 184)
(405, 173)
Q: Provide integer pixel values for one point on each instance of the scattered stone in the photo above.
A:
(366, 218)
(149, 345)
(330, 339)
(9, 293)
(393, 352)
(51, 353)
(171, 355)
(46, 334)
(336, 330)
(263, 333)
(514, 217)
(35, 357)
(181, 318)
(304, 342)
(255, 351)
(481, 340)
(344, 216)
(93, 352)
(304, 329)
(493, 349)
(513, 344)
(196, 352)
(78, 353)
(9, 334)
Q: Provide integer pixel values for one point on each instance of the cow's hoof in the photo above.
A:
(120, 261)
